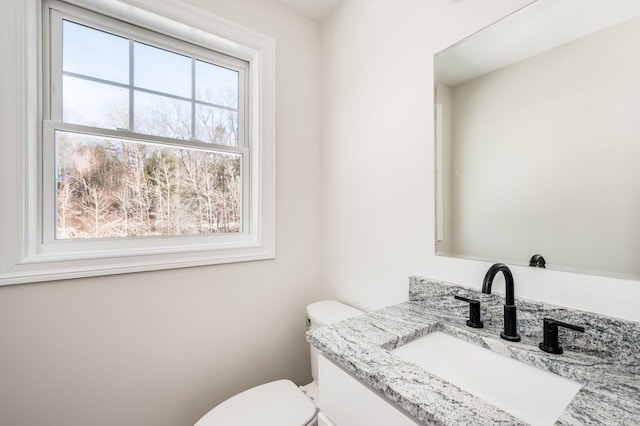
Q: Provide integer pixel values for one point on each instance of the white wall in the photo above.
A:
(162, 348)
(377, 159)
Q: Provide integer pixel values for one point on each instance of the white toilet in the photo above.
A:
(282, 403)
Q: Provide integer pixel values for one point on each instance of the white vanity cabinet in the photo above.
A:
(348, 402)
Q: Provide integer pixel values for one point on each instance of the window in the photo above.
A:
(155, 146)
(146, 133)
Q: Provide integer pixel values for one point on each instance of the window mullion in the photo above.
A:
(144, 138)
(193, 98)
(131, 85)
(53, 107)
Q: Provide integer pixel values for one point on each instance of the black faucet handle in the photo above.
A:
(550, 342)
(466, 299)
(474, 312)
(564, 324)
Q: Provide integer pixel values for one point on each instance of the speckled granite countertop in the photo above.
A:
(605, 359)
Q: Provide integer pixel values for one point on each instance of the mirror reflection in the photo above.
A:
(538, 139)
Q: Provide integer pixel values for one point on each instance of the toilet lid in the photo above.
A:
(278, 403)
(328, 312)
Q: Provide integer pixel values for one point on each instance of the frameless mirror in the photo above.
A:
(538, 139)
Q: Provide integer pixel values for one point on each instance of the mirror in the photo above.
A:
(537, 122)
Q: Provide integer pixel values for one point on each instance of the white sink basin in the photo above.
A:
(528, 393)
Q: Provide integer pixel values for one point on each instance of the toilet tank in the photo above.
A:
(321, 314)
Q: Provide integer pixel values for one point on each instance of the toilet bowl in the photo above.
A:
(282, 403)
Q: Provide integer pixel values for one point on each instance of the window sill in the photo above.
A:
(58, 267)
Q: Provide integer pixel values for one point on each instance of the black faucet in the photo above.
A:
(510, 328)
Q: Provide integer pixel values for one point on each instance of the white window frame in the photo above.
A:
(25, 255)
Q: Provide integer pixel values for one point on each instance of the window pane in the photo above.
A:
(162, 71)
(216, 85)
(110, 188)
(216, 125)
(162, 116)
(94, 53)
(94, 104)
